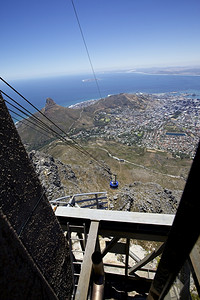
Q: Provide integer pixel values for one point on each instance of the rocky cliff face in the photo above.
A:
(52, 174)
(50, 103)
(147, 197)
(59, 179)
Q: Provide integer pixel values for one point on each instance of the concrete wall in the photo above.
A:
(26, 207)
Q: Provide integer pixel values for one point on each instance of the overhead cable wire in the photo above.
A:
(88, 55)
(86, 48)
(36, 126)
(18, 109)
(32, 127)
(55, 135)
(65, 133)
(31, 114)
(68, 142)
(33, 106)
(71, 142)
(42, 125)
(53, 132)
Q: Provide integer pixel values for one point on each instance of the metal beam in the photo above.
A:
(84, 280)
(195, 262)
(131, 225)
(134, 256)
(127, 256)
(115, 216)
(132, 235)
(182, 237)
(139, 285)
(146, 259)
(110, 246)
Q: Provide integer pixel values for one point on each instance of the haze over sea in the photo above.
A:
(72, 89)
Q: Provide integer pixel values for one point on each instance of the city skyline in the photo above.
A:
(42, 38)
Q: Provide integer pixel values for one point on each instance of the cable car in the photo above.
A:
(114, 183)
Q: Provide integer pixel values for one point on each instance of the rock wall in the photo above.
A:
(150, 197)
(147, 197)
(24, 203)
(25, 280)
(52, 174)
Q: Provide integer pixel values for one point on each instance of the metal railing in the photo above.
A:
(85, 200)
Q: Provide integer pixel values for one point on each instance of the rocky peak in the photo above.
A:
(49, 103)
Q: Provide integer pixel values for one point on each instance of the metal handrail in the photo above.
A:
(71, 201)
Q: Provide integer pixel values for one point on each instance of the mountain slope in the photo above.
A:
(61, 179)
(73, 118)
(35, 137)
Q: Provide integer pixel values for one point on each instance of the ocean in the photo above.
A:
(72, 89)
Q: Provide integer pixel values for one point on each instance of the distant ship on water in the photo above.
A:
(90, 79)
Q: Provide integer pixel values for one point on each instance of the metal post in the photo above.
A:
(182, 237)
(195, 266)
(185, 280)
(127, 256)
(98, 275)
(97, 201)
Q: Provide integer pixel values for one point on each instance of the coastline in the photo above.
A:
(83, 104)
(70, 91)
(164, 74)
(89, 102)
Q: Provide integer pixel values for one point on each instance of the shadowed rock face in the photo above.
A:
(25, 281)
(26, 207)
(51, 173)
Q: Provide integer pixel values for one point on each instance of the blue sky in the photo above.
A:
(42, 38)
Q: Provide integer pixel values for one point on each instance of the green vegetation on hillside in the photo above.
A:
(135, 164)
(127, 133)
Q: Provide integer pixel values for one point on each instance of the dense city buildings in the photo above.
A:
(168, 122)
